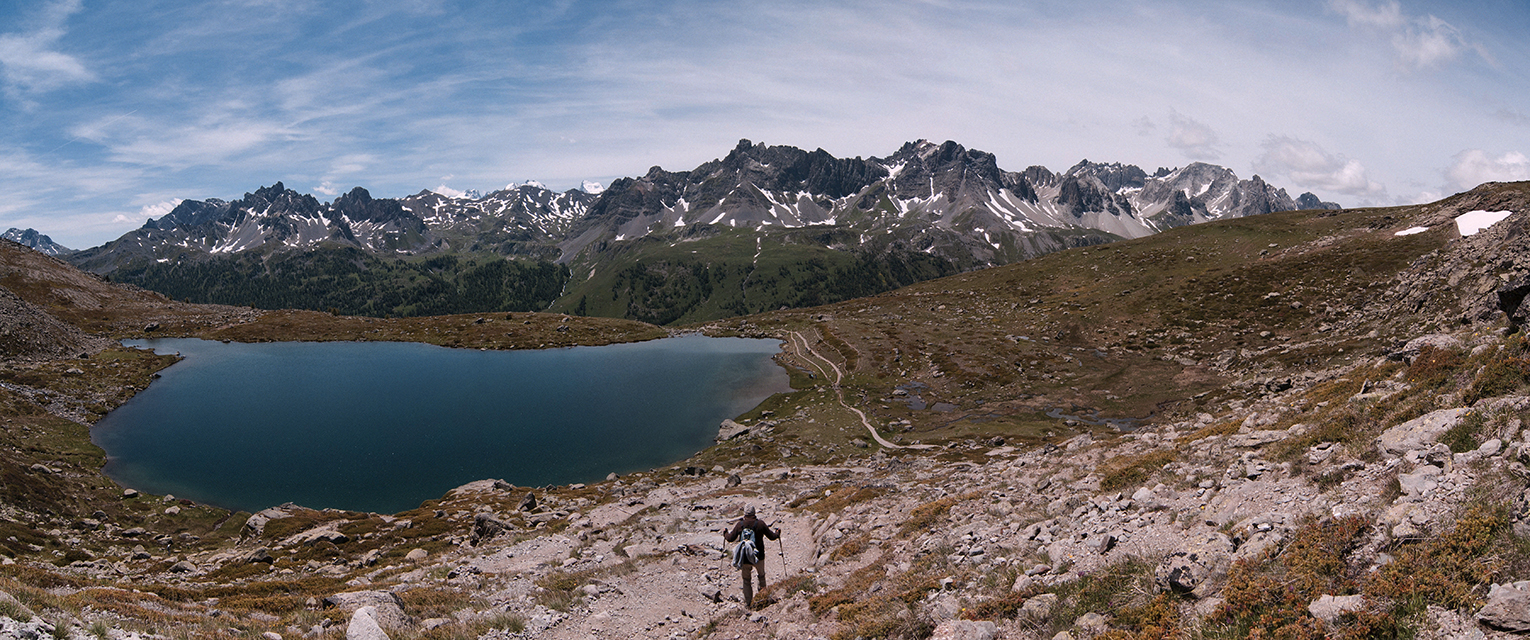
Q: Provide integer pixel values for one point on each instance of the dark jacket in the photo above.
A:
(761, 532)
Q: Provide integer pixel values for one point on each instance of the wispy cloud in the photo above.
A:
(1309, 166)
(1192, 138)
(1475, 166)
(1419, 42)
(31, 60)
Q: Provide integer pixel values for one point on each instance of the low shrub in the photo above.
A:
(1122, 472)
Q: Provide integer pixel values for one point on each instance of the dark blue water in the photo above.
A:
(378, 426)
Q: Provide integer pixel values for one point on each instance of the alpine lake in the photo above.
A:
(384, 426)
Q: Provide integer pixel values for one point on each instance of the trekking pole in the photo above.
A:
(782, 549)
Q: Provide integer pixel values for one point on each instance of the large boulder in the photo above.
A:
(387, 607)
(1511, 300)
(1415, 346)
(1419, 433)
(729, 430)
(1507, 608)
(1199, 570)
(486, 527)
(364, 625)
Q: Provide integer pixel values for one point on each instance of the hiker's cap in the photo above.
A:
(749, 510)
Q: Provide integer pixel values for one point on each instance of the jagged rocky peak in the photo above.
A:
(1114, 176)
(1039, 176)
(1310, 200)
(358, 205)
(277, 200)
(1084, 192)
(36, 241)
(924, 169)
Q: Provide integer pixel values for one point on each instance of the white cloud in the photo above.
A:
(1473, 167)
(1194, 139)
(448, 191)
(327, 188)
(159, 209)
(1419, 42)
(1386, 15)
(1309, 166)
(30, 60)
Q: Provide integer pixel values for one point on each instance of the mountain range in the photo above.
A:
(31, 238)
(871, 224)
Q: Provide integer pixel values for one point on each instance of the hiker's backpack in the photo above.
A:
(745, 552)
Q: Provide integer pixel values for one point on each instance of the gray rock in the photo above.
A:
(1419, 433)
(1180, 572)
(1490, 448)
(431, 624)
(1328, 608)
(486, 527)
(387, 608)
(528, 502)
(183, 567)
(1255, 438)
(271, 635)
(966, 630)
(259, 555)
(416, 555)
(25, 614)
(729, 430)
(1039, 607)
(1421, 482)
(1102, 542)
(1507, 608)
(1411, 350)
(364, 625)
(1092, 623)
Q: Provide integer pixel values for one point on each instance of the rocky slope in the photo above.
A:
(1324, 438)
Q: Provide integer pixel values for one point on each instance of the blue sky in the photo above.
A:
(112, 110)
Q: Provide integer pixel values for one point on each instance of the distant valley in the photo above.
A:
(760, 229)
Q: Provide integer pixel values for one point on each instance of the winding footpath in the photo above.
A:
(805, 351)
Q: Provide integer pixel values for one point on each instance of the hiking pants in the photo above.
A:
(744, 569)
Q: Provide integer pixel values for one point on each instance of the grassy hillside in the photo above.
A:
(349, 281)
(677, 280)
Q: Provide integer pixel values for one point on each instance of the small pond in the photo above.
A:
(383, 426)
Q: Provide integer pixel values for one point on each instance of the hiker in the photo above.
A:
(755, 532)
